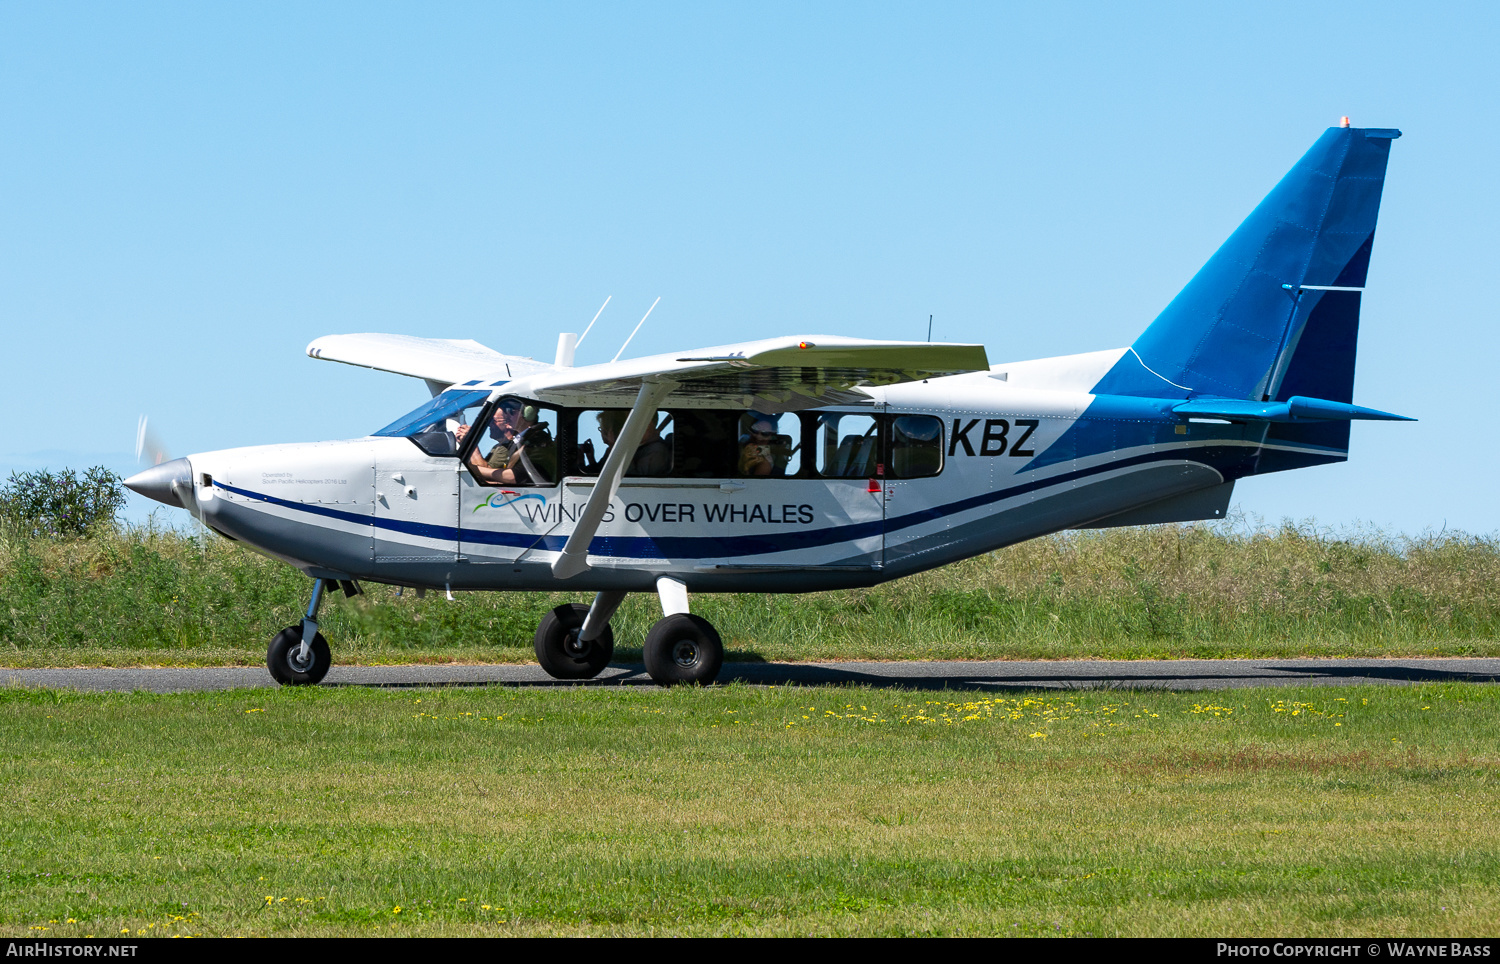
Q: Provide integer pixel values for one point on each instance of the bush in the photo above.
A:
(59, 504)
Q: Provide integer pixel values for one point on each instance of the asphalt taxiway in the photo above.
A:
(1181, 674)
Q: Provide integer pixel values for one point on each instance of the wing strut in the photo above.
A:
(575, 554)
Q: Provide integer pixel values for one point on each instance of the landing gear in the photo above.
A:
(562, 651)
(299, 655)
(683, 648)
(575, 641)
(287, 663)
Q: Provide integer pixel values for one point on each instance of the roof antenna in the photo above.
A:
(929, 328)
(637, 328)
(591, 324)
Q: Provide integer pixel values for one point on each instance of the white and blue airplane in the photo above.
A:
(809, 462)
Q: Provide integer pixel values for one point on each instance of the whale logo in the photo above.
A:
(506, 497)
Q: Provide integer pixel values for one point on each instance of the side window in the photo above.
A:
(704, 444)
(517, 445)
(916, 446)
(848, 446)
(769, 445)
(596, 434)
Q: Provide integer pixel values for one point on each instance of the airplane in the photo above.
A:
(809, 462)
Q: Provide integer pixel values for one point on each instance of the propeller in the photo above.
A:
(149, 449)
(167, 480)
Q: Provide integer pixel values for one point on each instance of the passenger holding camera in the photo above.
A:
(757, 456)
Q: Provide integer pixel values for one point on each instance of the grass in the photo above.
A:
(150, 596)
(742, 810)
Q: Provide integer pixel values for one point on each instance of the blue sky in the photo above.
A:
(192, 193)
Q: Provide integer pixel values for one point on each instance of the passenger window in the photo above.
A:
(705, 444)
(597, 431)
(517, 447)
(916, 446)
(767, 448)
(848, 446)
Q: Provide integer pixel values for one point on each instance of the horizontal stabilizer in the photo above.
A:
(442, 361)
(1298, 408)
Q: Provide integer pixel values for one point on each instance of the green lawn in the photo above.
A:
(1317, 811)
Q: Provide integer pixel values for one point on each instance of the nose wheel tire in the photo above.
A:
(683, 648)
(288, 667)
(562, 654)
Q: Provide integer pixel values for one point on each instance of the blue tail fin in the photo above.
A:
(1258, 321)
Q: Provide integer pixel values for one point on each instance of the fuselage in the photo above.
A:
(924, 474)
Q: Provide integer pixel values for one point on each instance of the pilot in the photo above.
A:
(523, 452)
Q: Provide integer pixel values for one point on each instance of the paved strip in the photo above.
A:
(1174, 674)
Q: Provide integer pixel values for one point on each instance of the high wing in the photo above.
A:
(773, 375)
(438, 361)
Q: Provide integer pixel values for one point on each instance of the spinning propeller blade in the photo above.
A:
(148, 447)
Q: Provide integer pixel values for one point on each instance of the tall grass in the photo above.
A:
(153, 594)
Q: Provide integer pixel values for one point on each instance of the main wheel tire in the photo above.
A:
(282, 658)
(683, 648)
(562, 654)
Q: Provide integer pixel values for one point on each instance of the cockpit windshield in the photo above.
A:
(433, 425)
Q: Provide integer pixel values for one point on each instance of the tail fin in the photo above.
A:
(1259, 320)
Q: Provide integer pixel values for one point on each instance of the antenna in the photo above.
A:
(591, 323)
(929, 328)
(637, 328)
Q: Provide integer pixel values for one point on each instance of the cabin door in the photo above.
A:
(503, 524)
(847, 462)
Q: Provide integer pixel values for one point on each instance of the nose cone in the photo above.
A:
(170, 483)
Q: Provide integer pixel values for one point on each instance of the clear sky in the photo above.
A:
(190, 193)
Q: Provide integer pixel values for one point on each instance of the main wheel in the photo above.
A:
(562, 654)
(683, 648)
(282, 658)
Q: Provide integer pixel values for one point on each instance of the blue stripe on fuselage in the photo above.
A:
(707, 547)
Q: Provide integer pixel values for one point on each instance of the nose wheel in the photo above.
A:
(291, 664)
(299, 655)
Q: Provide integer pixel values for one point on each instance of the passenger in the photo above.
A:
(756, 457)
(653, 456)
